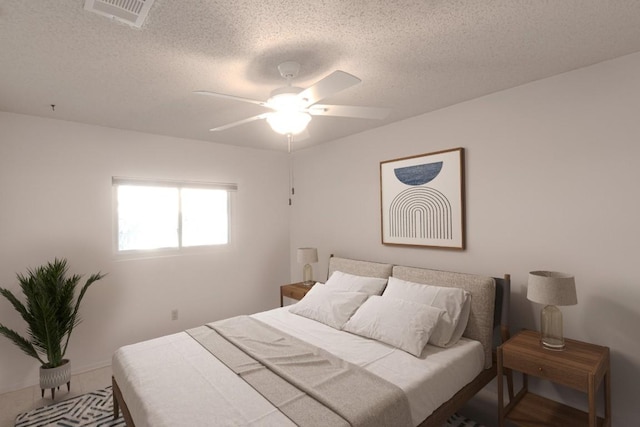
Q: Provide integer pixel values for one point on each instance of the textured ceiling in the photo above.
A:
(413, 56)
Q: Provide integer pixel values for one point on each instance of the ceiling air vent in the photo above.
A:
(132, 12)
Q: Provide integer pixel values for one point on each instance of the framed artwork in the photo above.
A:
(422, 200)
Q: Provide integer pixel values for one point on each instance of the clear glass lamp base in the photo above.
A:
(551, 328)
(552, 344)
(307, 274)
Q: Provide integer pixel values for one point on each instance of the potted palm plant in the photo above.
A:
(51, 313)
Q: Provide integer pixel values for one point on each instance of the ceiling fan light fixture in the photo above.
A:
(288, 122)
(285, 98)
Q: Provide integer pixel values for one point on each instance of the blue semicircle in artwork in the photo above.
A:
(418, 174)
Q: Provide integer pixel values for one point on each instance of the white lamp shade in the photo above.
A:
(552, 288)
(307, 255)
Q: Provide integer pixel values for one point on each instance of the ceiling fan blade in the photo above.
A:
(349, 111)
(240, 122)
(333, 83)
(237, 98)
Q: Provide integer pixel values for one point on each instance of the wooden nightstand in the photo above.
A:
(580, 365)
(294, 291)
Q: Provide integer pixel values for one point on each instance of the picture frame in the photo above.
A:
(422, 200)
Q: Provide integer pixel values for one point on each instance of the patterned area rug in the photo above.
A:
(93, 409)
(457, 420)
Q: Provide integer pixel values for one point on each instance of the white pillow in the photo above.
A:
(328, 306)
(351, 283)
(452, 300)
(402, 324)
(462, 321)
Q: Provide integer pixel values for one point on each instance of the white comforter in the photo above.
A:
(173, 381)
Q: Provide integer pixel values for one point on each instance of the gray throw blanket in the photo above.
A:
(309, 385)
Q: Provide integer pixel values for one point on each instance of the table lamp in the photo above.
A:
(552, 289)
(307, 256)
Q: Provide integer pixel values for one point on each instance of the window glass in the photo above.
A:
(147, 217)
(204, 217)
(171, 215)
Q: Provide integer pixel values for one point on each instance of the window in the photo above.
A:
(160, 215)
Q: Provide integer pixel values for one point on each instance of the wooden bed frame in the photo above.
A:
(500, 333)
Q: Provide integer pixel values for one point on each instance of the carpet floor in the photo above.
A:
(95, 409)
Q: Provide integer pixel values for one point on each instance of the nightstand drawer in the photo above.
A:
(558, 373)
(294, 292)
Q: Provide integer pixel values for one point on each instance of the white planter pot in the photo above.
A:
(52, 378)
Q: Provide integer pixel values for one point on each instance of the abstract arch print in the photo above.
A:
(422, 200)
(420, 213)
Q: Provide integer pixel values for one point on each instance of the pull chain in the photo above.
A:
(289, 140)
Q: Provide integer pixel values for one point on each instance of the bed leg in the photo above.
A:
(116, 406)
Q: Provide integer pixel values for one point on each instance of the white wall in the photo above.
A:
(55, 198)
(552, 179)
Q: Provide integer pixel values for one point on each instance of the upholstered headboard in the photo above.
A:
(489, 296)
(359, 268)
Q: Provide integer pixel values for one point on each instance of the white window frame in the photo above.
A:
(230, 188)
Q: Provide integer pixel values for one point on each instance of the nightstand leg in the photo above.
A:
(593, 417)
(607, 399)
(509, 375)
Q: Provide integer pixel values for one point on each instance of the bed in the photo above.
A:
(174, 380)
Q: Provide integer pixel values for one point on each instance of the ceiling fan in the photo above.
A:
(293, 106)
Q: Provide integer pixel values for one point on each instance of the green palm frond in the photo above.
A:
(20, 308)
(21, 342)
(75, 318)
(50, 310)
